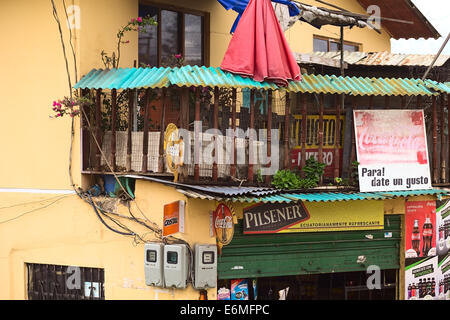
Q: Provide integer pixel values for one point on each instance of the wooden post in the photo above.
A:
(320, 133)
(251, 136)
(197, 128)
(233, 126)
(162, 129)
(113, 128)
(337, 140)
(387, 102)
(370, 102)
(269, 133)
(403, 102)
(98, 133)
(286, 130)
(216, 126)
(448, 133)
(348, 143)
(303, 142)
(131, 99)
(442, 130)
(145, 132)
(435, 159)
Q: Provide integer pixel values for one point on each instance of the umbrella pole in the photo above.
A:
(339, 106)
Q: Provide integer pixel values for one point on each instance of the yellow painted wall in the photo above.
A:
(35, 148)
(67, 232)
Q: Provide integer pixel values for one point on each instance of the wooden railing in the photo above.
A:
(137, 144)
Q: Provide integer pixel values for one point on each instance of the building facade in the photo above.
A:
(47, 226)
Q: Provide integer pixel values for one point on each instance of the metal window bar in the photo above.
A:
(50, 282)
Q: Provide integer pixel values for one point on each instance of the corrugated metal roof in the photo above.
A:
(363, 86)
(125, 78)
(383, 58)
(336, 196)
(272, 195)
(211, 77)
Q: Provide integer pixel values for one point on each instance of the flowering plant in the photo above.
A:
(135, 24)
(69, 106)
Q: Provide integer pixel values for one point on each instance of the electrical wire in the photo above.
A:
(34, 210)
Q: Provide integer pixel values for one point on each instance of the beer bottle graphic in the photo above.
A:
(415, 237)
(427, 236)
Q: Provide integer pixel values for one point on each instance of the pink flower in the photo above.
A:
(133, 20)
(54, 103)
(139, 19)
(178, 56)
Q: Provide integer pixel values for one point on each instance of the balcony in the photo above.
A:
(237, 131)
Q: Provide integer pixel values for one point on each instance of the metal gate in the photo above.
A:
(56, 282)
(269, 255)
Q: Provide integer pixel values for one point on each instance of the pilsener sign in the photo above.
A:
(313, 216)
(273, 217)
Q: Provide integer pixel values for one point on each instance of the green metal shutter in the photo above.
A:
(268, 255)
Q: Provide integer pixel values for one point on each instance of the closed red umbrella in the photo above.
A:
(258, 48)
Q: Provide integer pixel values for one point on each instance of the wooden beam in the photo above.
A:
(251, 136)
(131, 100)
(442, 131)
(197, 128)
(162, 129)
(269, 133)
(435, 136)
(98, 131)
(337, 141)
(303, 135)
(145, 132)
(320, 133)
(113, 128)
(216, 126)
(286, 130)
(233, 126)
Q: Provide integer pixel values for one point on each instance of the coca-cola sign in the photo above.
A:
(223, 223)
(273, 217)
(391, 147)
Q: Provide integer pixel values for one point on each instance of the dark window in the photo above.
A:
(55, 282)
(326, 45)
(180, 31)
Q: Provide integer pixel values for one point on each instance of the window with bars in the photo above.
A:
(56, 282)
(179, 31)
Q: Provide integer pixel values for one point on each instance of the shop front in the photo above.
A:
(312, 250)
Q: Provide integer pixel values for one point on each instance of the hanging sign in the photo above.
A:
(313, 217)
(173, 218)
(392, 152)
(223, 223)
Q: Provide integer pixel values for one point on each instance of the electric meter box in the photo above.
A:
(154, 267)
(205, 266)
(176, 265)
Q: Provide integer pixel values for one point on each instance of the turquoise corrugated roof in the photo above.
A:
(337, 196)
(215, 77)
(125, 78)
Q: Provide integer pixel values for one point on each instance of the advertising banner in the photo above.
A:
(392, 152)
(427, 258)
(443, 227)
(420, 222)
(313, 217)
(173, 218)
(312, 140)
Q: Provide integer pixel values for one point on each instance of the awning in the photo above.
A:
(187, 76)
(272, 195)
